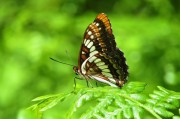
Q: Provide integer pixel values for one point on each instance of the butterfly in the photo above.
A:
(99, 57)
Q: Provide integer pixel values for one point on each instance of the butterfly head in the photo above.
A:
(75, 68)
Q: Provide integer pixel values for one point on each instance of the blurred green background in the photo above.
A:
(31, 31)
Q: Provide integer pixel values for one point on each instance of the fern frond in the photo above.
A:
(163, 100)
(48, 101)
(110, 102)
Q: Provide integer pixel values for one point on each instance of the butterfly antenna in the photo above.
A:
(67, 53)
(60, 62)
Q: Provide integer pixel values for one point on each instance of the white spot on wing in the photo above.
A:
(97, 24)
(106, 70)
(89, 32)
(92, 36)
(90, 44)
(93, 53)
(92, 48)
(97, 60)
(107, 74)
(83, 52)
(87, 42)
(91, 59)
(103, 67)
(84, 41)
(100, 63)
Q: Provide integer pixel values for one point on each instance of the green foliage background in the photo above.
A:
(31, 31)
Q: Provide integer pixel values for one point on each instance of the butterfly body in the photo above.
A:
(99, 58)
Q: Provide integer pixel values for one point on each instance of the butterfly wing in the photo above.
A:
(99, 58)
(97, 35)
(106, 68)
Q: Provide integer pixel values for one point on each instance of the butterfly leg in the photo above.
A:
(89, 83)
(75, 82)
(96, 83)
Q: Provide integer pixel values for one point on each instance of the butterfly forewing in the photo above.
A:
(99, 57)
(107, 38)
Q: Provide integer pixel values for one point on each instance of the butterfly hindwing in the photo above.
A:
(105, 67)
